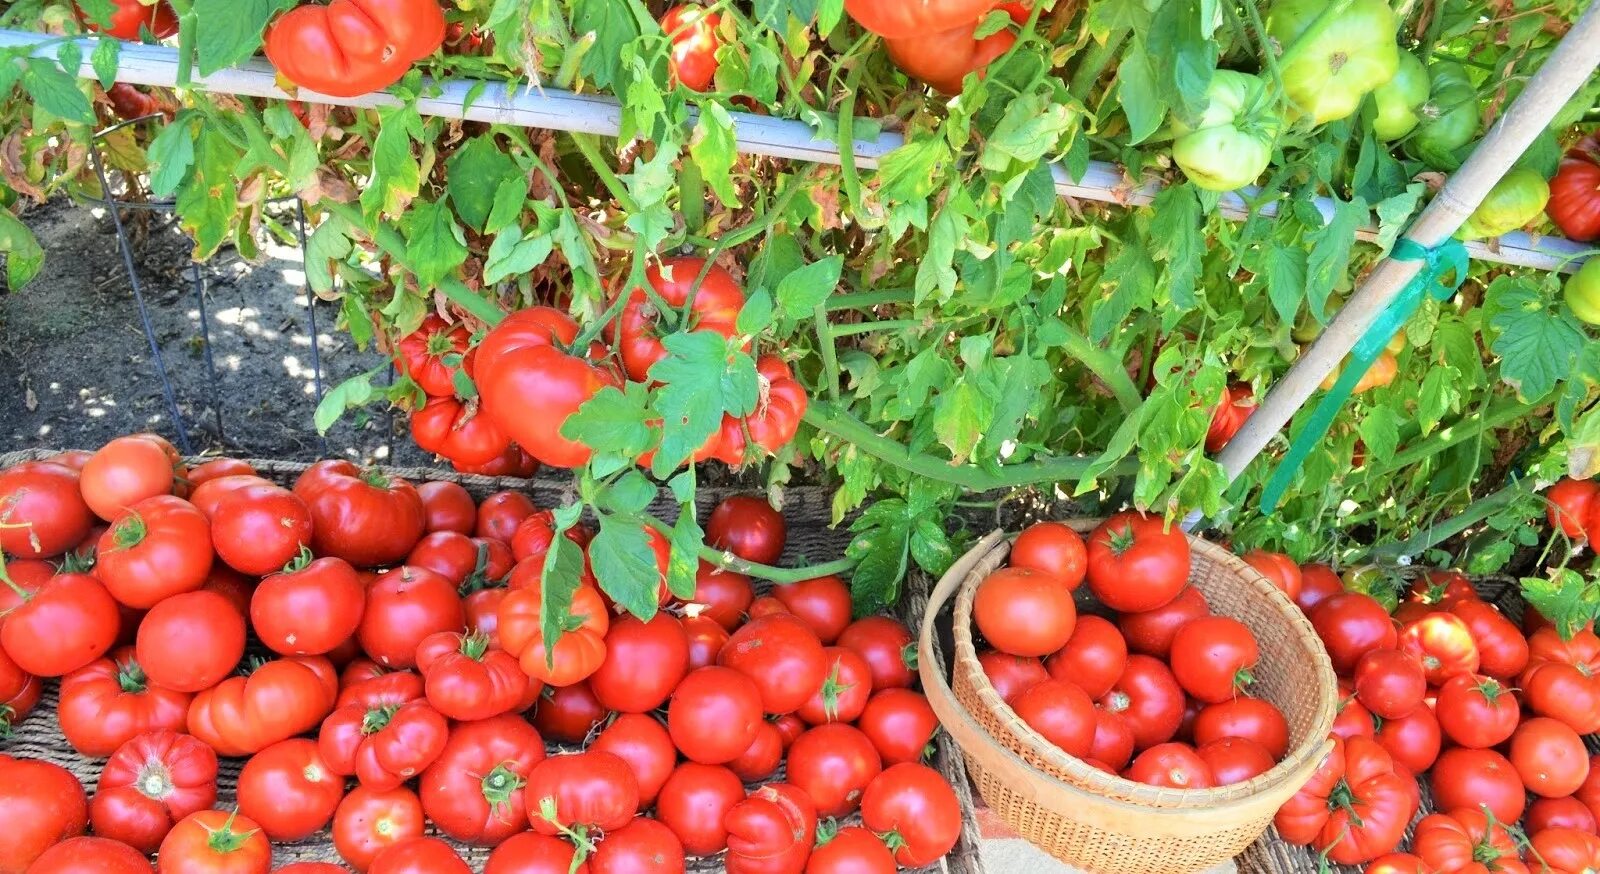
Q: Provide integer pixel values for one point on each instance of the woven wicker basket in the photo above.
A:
(1100, 822)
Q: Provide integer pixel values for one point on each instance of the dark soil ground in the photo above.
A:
(76, 368)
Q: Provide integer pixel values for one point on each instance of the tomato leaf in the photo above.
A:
(1565, 598)
(353, 392)
(1286, 279)
(1184, 54)
(684, 564)
(396, 176)
(1537, 346)
(960, 417)
(230, 30)
(612, 422)
(209, 199)
(105, 58)
(435, 245)
(1380, 430)
(1141, 100)
(513, 254)
(560, 577)
(475, 173)
(631, 493)
(881, 547)
(802, 291)
(56, 91)
(24, 256)
(712, 148)
(1175, 235)
(1331, 245)
(624, 565)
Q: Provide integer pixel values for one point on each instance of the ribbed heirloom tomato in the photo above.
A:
(351, 47)
(1563, 678)
(531, 386)
(466, 680)
(782, 401)
(383, 741)
(149, 784)
(458, 430)
(473, 791)
(364, 517)
(771, 830)
(1465, 838)
(1355, 806)
(577, 653)
(717, 301)
(274, 701)
(107, 702)
(588, 789)
(433, 353)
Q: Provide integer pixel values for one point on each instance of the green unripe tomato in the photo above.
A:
(1582, 292)
(1515, 200)
(1331, 61)
(1231, 144)
(1399, 99)
(1449, 119)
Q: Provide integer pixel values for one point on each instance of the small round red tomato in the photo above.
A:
(762, 758)
(365, 517)
(1151, 631)
(156, 548)
(1318, 583)
(588, 789)
(1476, 711)
(833, 764)
(42, 804)
(215, 840)
(644, 662)
(748, 526)
(714, 715)
(42, 512)
(1549, 756)
(1235, 760)
(782, 655)
(109, 701)
(310, 608)
(259, 529)
(723, 596)
(1052, 549)
(852, 850)
(90, 856)
(1351, 625)
(1061, 713)
(901, 725)
(149, 784)
(289, 790)
(644, 846)
(473, 791)
(418, 856)
(368, 822)
(692, 31)
(1568, 505)
(1567, 812)
(694, 802)
(1574, 206)
(646, 746)
(1093, 658)
(1279, 569)
(1212, 658)
(706, 639)
(1149, 697)
(446, 506)
(190, 642)
(404, 606)
(1466, 778)
(1171, 765)
(533, 853)
(1390, 683)
(566, 714)
(1443, 644)
(1502, 649)
(1249, 718)
(917, 812)
(886, 646)
(124, 472)
(1011, 675)
(1413, 741)
(822, 603)
(1137, 562)
(1024, 612)
(844, 692)
(501, 513)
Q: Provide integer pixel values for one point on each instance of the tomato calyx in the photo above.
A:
(375, 478)
(224, 840)
(1120, 539)
(131, 677)
(578, 833)
(832, 688)
(300, 562)
(1491, 689)
(479, 579)
(474, 645)
(130, 531)
(378, 718)
(8, 717)
(1243, 680)
(500, 786)
(908, 656)
(1344, 798)
(78, 561)
(154, 781)
(251, 664)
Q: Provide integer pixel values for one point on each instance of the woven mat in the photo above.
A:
(807, 510)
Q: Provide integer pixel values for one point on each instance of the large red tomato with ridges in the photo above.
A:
(771, 830)
(107, 702)
(717, 301)
(905, 19)
(588, 789)
(530, 388)
(365, 517)
(274, 702)
(353, 47)
(151, 783)
(473, 791)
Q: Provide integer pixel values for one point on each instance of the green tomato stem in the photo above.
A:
(389, 240)
(830, 355)
(780, 575)
(1476, 512)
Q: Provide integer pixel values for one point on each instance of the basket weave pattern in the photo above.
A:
(1100, 822)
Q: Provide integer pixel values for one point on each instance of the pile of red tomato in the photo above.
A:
(1157, 689)
(374, 652)
(1449, 690)
(529, 380)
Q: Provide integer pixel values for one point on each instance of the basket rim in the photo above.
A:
(1100, 783)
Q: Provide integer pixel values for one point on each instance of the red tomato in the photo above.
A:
(530, 387)
(706, 638)
(90, 856)
(369, 821)
(1444, 645)
(1052, 549)
(131, 19)
(42, 512)
(722, 596)
(1355, 807)
(43, 805)
(1398, 863)
(289, 790)
(1151, 631)
(844, 692)
(1011, 675)
(1060, 712)
(1235, 760)
(155, 549)
(1569, 503)
(692, 61)
(446, 506)
(694, 802)
(418, 856)
(852, 850)
(353, 46)
(516, 462)
(278, 700)
(108, 702)
(124, 472)
(1476, 711)
(384, 742)
(259, 529)
(403, 607)
(915, 810)
(1574, 206)
(833, 764)
(1171, 765)
(718, 298)
(466, 680)
(782, 655)
(19, 693)
(644, 662)
(533, 853)
(149, 784)
(216, 840)
(1589, 792)
(1351, 625)
(1236, 405)
(502, 514)
(771, 830)
(1465, 838)
(1566, 851)
(1502, 650)
(1318, 583)
(749, 527)
(482, 612)
(822, 603)
(191, 642)
(640, 741)
(1279, 569)
(1093, 658)
(1412, 741)
(762, 758)
(1549, 757)
(534, 533)
(775, 421)
(886, 646)
(944, 58)
(1149, 697)
(1441, 588)
(566, 714)
(901, 725)
(58, 624)
(1390, 683)
(1212, 658)
(1249, 718)
(1466, 778)
(1024, 612)
(310, 608)
(365, 517)
(433, 353)
(208, 496)
(577, 653)
(1136, 563)
(642, 846)
(714, 714)
(588, 789)
(1568, 812)
(1562, 679)
(224, 580)
(1113, 742)
(1352, 719)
